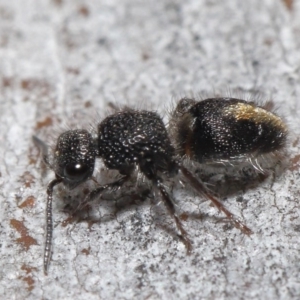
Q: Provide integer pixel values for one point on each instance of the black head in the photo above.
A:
(74, 157)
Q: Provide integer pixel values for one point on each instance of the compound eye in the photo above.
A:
(76, 171)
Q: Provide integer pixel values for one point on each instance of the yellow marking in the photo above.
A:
(245, 111)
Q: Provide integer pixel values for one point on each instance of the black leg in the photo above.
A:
(49, 227)
(199, 187)
(99, 190)
(171, 210)
(149, 170)
(43, 148)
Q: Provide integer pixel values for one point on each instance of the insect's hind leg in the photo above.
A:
(199, 187)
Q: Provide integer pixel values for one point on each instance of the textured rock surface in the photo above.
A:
(61, 63)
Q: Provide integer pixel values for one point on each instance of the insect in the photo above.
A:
(210, 131)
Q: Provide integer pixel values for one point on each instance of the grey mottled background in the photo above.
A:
(61, 63)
